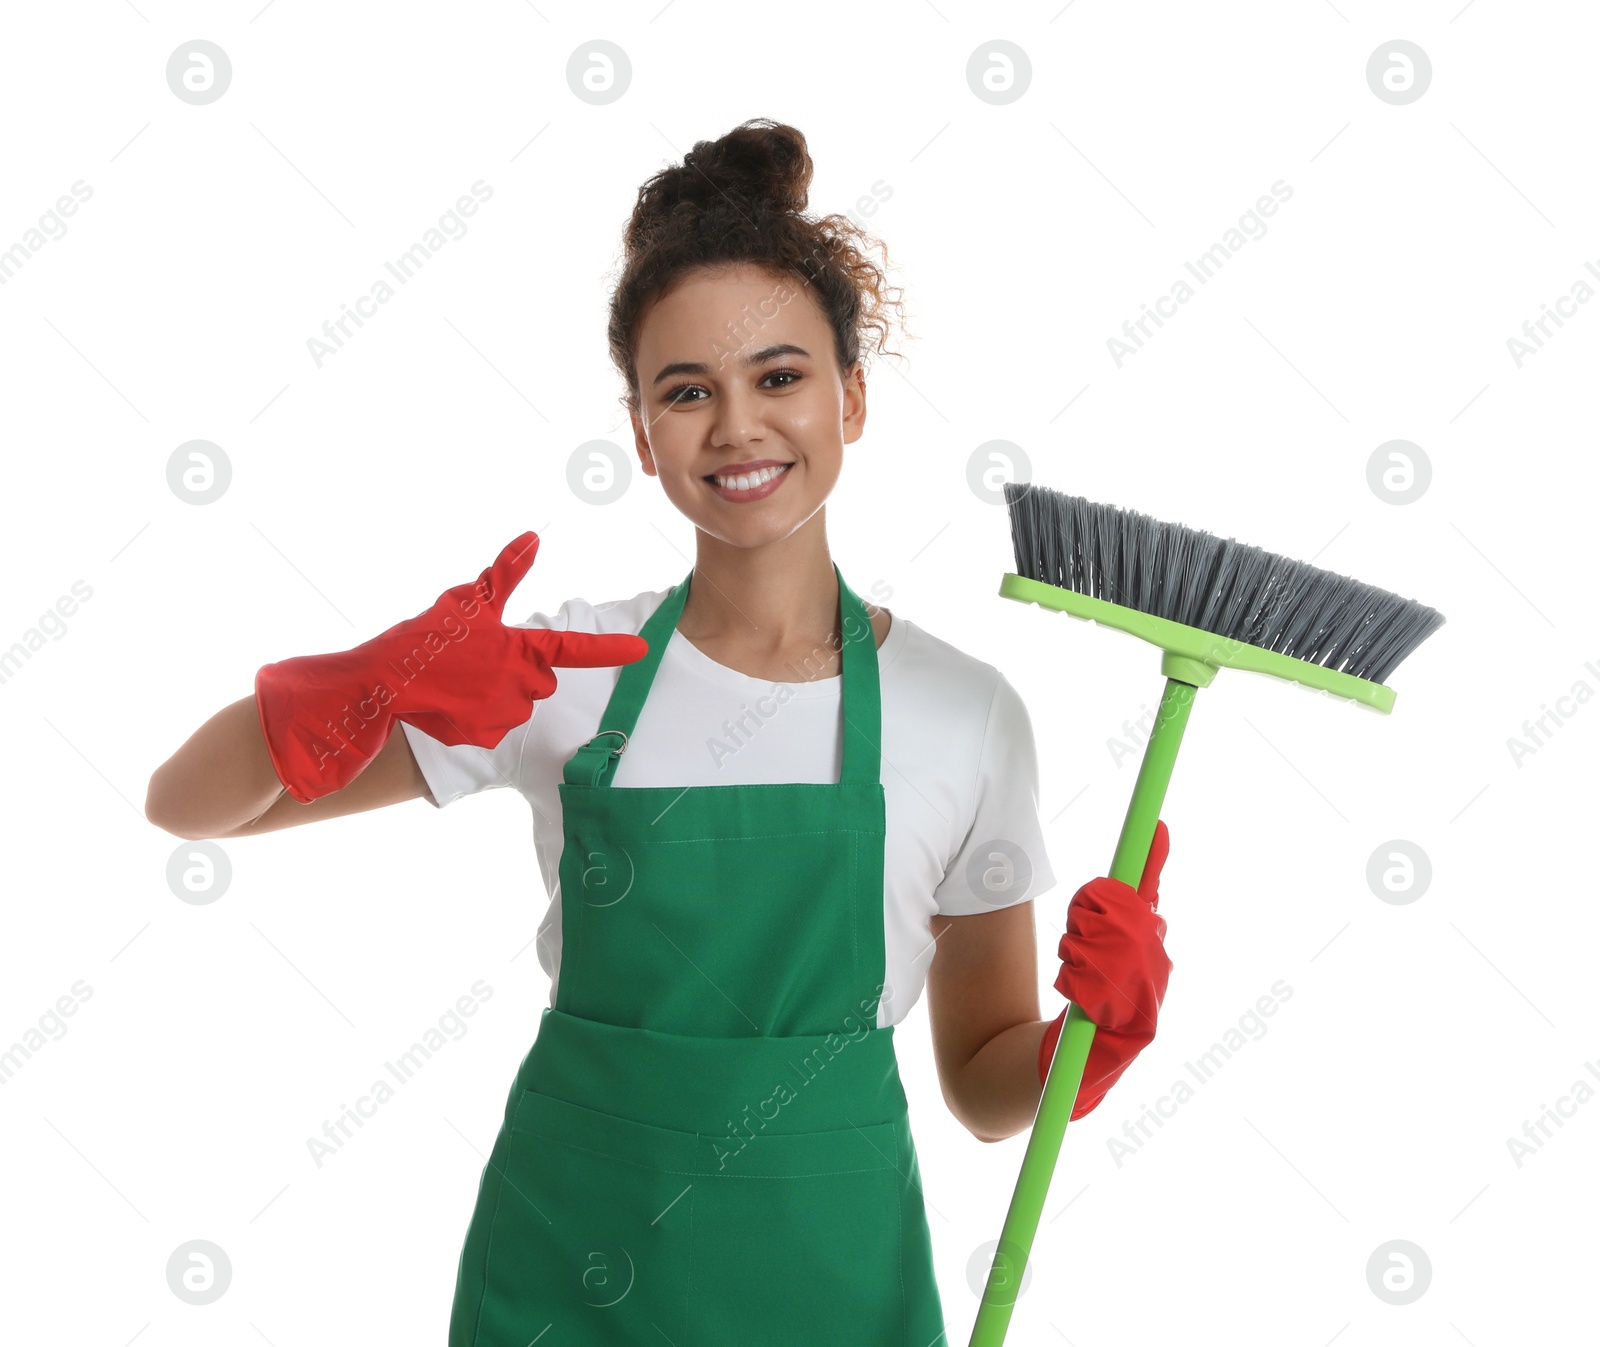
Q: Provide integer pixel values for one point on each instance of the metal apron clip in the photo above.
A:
(590, 763)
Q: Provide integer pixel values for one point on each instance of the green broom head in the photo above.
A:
(1209, 603)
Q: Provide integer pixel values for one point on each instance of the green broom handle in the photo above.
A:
(1077, 1033)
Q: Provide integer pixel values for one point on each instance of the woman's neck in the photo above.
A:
(772, 611)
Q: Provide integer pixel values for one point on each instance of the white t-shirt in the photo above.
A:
(958, 766)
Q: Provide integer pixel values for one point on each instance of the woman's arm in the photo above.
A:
(221, 783)
(983, 1009)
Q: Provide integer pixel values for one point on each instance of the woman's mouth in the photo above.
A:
(749, 486)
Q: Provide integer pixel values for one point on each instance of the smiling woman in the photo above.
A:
(692, 1114)
(708, 1138)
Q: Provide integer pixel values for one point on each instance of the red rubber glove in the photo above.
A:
(1113, 965)
(453, 671)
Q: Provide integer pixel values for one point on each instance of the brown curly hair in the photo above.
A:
(742, 198)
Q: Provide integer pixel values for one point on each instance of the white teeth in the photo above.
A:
(745, 480)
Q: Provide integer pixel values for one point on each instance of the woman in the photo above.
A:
(760, 834)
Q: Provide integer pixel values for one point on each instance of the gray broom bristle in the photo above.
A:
(1226, 587)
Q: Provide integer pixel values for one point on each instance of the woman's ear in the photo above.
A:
(855, 403)
(641, 444)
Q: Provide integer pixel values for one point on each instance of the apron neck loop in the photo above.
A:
(859, 695)
(594, 763)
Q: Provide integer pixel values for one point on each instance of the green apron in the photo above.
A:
(707, 1144)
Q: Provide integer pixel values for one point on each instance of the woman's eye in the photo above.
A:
(681, 393)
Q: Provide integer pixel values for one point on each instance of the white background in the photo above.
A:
(176, 1103)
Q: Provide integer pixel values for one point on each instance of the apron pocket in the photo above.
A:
(797, 1238)
(589, 1234)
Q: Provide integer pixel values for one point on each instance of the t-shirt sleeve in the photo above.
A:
(1002, 860)
(454, 770)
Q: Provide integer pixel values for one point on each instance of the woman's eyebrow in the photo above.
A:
(754, 358)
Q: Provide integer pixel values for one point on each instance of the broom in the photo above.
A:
(1209, 604)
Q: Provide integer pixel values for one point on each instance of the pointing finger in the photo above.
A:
(586, 650)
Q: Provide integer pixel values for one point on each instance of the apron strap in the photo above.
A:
(860, 697)
(595, 762)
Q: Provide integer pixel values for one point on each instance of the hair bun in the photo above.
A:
(765, 160)
(760, 167)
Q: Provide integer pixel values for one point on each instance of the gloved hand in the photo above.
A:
(1113, 965)
(453, 671)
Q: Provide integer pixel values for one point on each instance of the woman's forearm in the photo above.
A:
(997, 1093)
(221, 777)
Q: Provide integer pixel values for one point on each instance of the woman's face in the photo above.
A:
(736, 366)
